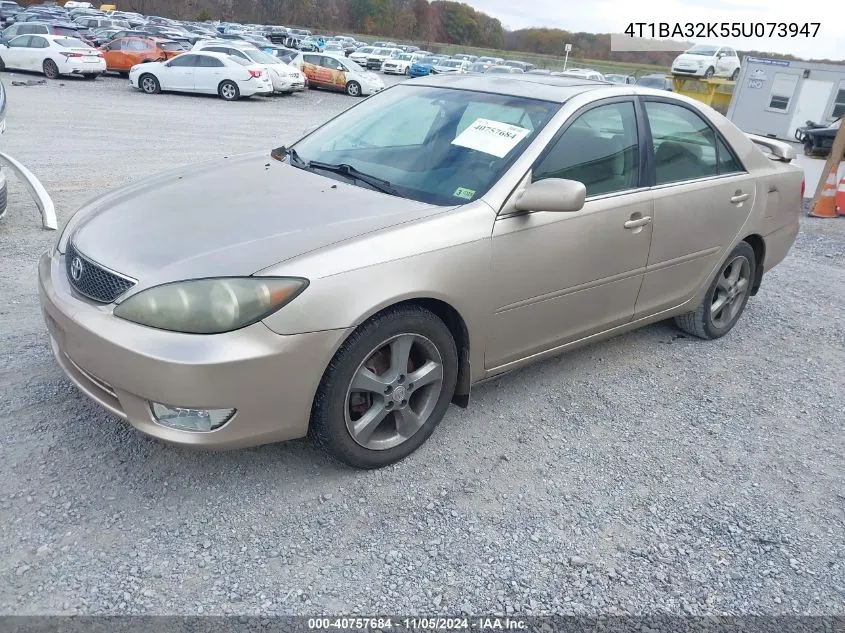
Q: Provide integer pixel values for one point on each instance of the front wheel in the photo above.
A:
(51, 70)
(708, 74)
(725, 299)
(353, 89)
(386, 389)
(229, 91)
(149, 84)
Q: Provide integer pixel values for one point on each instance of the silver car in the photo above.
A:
(438, 234)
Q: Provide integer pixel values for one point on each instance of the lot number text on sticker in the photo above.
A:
(491, 137)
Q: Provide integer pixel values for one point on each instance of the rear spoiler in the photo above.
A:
(774, 149)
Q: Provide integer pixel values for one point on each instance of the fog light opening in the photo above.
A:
(195, 420)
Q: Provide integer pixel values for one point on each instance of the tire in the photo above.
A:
(735, 75)
(808, 148)
(353, 89)
(228, 90)
(407, 71)
(149, 84)
(2, 64)
(390, 392)
(731, 293)
(708, 74)
(51, 70)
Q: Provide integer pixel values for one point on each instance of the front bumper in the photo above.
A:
(686, 70)
(269, 378)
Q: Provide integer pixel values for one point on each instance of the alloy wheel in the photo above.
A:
(393, 392)
(731, 289)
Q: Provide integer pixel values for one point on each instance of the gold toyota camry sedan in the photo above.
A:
(352, 285)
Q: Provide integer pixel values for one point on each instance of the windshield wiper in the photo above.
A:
(280, 153)
(349, 171)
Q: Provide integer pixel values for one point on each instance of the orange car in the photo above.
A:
(125, 52)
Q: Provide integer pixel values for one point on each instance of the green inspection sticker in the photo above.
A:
(463, 192)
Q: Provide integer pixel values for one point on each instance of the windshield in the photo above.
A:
(405, 58)
(707, 51)
(434, 145)
(351, 65)
(261, 57)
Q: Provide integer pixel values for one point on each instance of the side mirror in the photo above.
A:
(553, 195)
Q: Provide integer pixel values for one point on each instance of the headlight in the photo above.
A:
(210, 306)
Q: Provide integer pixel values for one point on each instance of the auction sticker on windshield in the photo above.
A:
(491, 137)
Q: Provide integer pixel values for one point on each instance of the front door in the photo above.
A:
(178, 73)
(560, 277)
(702, 198)
(811, 103)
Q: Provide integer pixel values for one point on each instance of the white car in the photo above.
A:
(336, 72)
(285, 78)
(459, 66)
(198, 71)
(400, 65)
(72, 4)
(360, 55)
(706, 60)
(53, 55)
(581, 73)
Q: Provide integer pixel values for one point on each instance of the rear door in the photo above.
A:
(702, 198)
(208, 74)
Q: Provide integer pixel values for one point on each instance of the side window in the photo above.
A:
(27, 29)
(600, 149)
(783, 89)
(312, 59)
(207, 61)
(140, 45)
(183, 61)
(839, 102)
(12, 31)
(241, 55)
(328, 62)
(684, 145)
(22, 41)
(38, 42)
(728, 164)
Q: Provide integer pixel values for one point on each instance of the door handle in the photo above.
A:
(740, 197)
(635, 224)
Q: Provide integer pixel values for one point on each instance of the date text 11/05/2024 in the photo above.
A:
(722, 29)
(418, 624)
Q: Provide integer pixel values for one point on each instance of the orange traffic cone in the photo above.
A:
(826, 205)
(840, 198)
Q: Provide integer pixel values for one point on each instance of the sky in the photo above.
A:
(613, 16)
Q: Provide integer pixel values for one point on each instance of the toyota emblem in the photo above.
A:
(76, 267)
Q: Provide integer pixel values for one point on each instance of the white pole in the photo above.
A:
(565, 60)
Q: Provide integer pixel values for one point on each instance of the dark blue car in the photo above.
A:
(425, 66)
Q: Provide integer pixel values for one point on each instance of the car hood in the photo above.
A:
(231, 217)
(686, 57)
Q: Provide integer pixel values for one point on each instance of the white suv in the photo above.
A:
(705, 60)
(401, 64)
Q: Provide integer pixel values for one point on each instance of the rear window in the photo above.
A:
(63, 30)
(70, 42)
(170, 46)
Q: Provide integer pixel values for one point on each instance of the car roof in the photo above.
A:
(543, 87)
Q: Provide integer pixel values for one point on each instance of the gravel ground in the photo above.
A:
(648, 473)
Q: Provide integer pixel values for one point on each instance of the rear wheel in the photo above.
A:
(353, 89)
(725, 299)
(51, 70)
(149, 84)
(386, 389)
(229, 91)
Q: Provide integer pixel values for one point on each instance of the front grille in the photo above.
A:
(92, 280)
